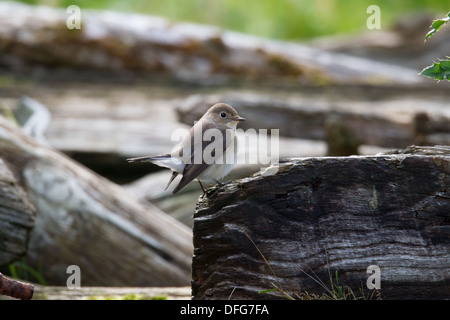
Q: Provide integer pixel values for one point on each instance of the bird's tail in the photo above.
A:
(164, 160)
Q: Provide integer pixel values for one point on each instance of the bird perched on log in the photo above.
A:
(207, 153)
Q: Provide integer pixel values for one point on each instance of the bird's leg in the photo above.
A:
(221, 184)
(204, 191)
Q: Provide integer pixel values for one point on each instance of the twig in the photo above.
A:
(15, 289)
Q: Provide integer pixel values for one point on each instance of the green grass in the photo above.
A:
(21, 270)
(281, 19)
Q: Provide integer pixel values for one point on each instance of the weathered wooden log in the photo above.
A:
(389, 124)
(17, 217)
(88, 126)
(404, 39)
(189, 52)
(85, 220)
(112, 293)
(335, 216)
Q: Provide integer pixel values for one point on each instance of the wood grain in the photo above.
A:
(322, 215)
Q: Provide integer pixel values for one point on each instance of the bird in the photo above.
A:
(207, 153)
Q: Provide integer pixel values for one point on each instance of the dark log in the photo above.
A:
(17, 217)
(319, 216)
(84, 219)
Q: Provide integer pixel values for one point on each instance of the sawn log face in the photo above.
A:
(322, 215)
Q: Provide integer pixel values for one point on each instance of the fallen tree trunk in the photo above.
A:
(85, 220)
(342, 123)
(17, 217)
(112, 293)
(184, 51)
(322, 216)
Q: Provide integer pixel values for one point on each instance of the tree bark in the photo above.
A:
(17, 217)
(319, 216)
(86, 220)
(15, 289)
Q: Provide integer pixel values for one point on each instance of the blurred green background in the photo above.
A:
(280, 19)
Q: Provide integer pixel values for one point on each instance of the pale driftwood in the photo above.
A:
(319, 216)
(17, 217)
(85, 220)
(117, 41)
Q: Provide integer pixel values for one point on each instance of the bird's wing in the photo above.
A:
(148, 158)
(174, 175)
(193, 170)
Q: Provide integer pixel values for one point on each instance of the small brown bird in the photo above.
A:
(207, 153)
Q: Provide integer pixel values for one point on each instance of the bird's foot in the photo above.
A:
(210, 191)
(221, 184)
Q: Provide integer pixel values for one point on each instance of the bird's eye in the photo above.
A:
(223, 114)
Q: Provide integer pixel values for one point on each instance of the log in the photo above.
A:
(17, 217)
(404, 39)
(190, 52)
(101, 128)
(112, 293)
(84, 219)
(335, 216)
(383, 122)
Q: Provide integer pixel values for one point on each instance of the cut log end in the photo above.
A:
(335, 216)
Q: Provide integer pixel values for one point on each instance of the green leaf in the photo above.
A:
(439, 70)
(437, 24)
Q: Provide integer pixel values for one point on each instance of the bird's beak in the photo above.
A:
(238, 119)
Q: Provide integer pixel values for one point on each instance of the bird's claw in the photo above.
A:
(221, 184)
